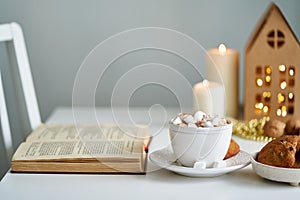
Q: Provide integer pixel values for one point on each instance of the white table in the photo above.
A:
(157, 184)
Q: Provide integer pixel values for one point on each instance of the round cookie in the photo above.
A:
(292, 126)
(281, 152)
(274, 128)
(233, 149)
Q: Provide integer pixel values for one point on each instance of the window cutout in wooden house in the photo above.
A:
(292, 71)
(280, 98)
(282, 111)
(280, 34)
(291, 82)
(267, 96)
(280, 43)
(258, 70)
(271, 34)
(258, 108)
(258, 98)
(278, 112)
(268, 70)
(282, 84)
(268, 80)
(291, 97)
(266, 110)
(282, 69)
(275, 39)
(259, 82)
(290, 110)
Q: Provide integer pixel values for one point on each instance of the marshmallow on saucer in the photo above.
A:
(219, 164)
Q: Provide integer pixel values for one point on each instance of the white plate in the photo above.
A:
(279, 174)
(165, 158)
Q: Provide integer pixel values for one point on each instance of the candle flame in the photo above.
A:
(205, 83)
(222, 48)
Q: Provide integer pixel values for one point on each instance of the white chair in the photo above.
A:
(13, 32)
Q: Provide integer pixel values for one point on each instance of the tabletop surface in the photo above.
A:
(156, 184)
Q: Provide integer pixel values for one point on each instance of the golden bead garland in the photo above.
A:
(251, 130)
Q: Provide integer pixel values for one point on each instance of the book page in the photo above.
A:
(91, 150)
(87, 132)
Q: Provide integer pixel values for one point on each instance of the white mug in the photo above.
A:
(197, 145)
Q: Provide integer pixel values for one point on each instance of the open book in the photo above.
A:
(83, 148)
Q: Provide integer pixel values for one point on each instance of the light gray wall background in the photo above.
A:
(60, 34)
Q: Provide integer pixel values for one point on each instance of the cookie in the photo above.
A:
(274, 128)
(292, 126)
(233, 149)
(281, 152)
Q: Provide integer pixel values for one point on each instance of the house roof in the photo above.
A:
(263, 21)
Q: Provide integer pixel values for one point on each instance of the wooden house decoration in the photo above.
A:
(272, 69)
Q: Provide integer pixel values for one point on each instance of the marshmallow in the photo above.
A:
(199, 116)
(218, 121)
(188, 118)
(199, 119)
(177, 120)
(207, 124)
(219, 164)
(199, 165)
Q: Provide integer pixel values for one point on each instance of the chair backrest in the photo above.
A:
(13, 32)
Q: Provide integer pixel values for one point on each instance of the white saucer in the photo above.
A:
(165, 158)
(279, 174)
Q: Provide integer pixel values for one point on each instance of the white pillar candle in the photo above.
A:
(209, 97)
(222, 66)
